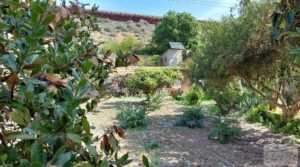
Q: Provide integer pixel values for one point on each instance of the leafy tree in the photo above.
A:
(239, 49)
(47, 69)
(177, 27)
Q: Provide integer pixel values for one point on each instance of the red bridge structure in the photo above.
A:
(120, 16)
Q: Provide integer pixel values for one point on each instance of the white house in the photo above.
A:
(173, 56)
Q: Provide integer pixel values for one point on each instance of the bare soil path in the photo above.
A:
(181, 146)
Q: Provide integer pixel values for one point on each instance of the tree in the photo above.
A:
(240, 49)
(176, 27)
(47, 68)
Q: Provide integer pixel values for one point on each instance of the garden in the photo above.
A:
(63, 101)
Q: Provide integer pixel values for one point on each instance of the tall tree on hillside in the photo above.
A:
(180, 27)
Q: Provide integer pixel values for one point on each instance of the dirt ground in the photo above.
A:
(181, 146)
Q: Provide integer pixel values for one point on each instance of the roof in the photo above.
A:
(176, 45)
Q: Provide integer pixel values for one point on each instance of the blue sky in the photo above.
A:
(201, 9)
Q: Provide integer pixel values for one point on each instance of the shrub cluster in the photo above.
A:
(274, 121)
(192, 118)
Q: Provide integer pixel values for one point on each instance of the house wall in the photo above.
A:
(172, 57)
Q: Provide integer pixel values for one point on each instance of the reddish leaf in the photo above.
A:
(53, 77)
(12, 80)
(119, 131)
(106, 143)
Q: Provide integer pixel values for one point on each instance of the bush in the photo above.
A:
(256, 114)
(274, 121)
(118, 87)
(227, 97)
(132, 117)
(194, 95)
(192, 117)
(154, 102)
(176, 93)
(225, 130)
(151, 80)
(52, 69)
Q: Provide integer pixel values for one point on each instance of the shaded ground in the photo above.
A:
(180, 146)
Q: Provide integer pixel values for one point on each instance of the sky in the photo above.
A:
(201, 9)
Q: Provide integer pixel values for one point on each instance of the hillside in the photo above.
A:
(111, 30)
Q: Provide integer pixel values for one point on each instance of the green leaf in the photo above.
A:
(92, 150)
(9, 61)
(83, 86)
(19, 135)
(3, 25)
(83, 165)
(124, 160)
(30, 131)
(295, 51)
(38, 8)
(86, 125)
(145, 161)
(38, 82)
(87, 65)
(74, 137)
(36, 152)
(63, 159)
(48, 19)
(22, 118)
(3, 158)
(24, 163)
(31, 59)
(18, 105)
(34, 20)
(104, 163)
(75, 75)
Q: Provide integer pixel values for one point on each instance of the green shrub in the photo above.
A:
(192, 118)
(151, 144)
(227, 97)
(256, 114)
(274, 121)
(154, 102)
(51, 69)
(132, 117)
(151, 80)
(225, 130)
(194, 95)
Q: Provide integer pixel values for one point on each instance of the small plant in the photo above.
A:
(154, 102)
(193, 118)
(132, 117)
(225, 130)
(176, 93)
(194, 95)
(256, 114)
(151, 145)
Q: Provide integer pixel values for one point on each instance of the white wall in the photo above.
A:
(172, 57)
